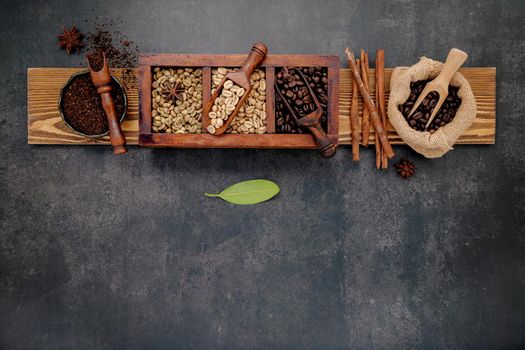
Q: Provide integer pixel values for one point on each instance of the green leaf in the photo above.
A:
(248, 192)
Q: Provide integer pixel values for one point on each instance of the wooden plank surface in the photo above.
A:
(45, 125)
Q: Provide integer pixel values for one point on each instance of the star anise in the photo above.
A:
(405, 168)
(71, 40)
(172, 92)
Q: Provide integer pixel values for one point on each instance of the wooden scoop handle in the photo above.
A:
(255, 57)
(325, 144)
(455, 59)
(118, 140)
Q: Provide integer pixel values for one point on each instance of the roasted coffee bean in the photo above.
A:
(422, 114)
(293, 88)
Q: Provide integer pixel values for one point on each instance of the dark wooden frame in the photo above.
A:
(269, 140)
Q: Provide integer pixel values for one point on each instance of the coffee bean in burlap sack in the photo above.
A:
(441, 141)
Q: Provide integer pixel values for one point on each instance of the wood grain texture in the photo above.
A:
(45, 125)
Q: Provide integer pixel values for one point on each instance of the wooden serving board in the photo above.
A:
(45, 126)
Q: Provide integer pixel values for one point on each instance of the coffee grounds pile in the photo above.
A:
(96, 60)
(421, 115)
(120, 52)
(82, 107)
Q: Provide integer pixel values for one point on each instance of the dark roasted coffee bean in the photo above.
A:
(289, 94)
(325, 80)
(280, 121)
(299, 102)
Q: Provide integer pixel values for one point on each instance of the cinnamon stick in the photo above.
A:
(378, 148)
(365, 121)
(376, 119)
(354, 118)
(380, 88)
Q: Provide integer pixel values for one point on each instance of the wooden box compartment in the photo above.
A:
(147, 62)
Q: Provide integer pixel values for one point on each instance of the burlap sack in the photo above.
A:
(441, 141)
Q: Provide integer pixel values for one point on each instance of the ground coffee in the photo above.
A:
(82, 108)
(96, 60)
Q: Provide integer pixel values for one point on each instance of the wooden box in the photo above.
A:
(147, 62)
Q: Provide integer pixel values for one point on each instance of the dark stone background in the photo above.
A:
(105, 252)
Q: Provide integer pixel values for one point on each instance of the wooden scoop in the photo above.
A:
(311, 121)
(440, 84)
(240, 78)
(102, 81)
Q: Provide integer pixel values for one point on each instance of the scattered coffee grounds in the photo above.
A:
(82, 108)
(96, 60)
(119, 50)
(294, 89)
(420, 117)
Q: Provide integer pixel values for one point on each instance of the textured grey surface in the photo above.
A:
(105, 252)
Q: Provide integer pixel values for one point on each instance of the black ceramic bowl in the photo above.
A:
(64, 88)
